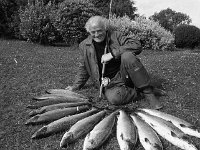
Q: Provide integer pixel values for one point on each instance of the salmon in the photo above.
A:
(183, 125)
(95, 138)
(66, 92)
(56, 100)
(80, 128)
(62, 124)
(55, 114)
(126, 132)
(147, 136)
(168, 131)
(55, 106)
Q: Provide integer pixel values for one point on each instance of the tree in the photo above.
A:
(119, 7)
(170, 19)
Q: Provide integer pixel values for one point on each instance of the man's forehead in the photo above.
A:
(96, 26)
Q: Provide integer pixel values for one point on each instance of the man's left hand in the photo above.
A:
(106, 57)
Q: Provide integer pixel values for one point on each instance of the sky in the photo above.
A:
(188, 7)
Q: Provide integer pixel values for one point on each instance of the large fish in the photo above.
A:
(56, 100)
(55, 106)
(147, 136)
(55, 114)
(62, 124)
(183, 125)
(126, 132)
(168, 131)
(64, 91)
(54, 96)
(81, 127)
(100, 133)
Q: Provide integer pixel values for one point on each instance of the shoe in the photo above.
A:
(153, 101)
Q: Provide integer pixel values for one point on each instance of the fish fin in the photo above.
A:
(158, 147)
(191, 127)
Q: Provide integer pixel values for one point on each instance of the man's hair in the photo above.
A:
(99, 19)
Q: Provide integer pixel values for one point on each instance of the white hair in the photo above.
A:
(98, 20)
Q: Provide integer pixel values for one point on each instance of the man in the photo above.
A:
(123, 69)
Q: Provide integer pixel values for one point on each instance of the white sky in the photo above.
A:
(189, 7)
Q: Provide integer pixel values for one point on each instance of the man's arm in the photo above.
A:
(125, 43)
(81, 77)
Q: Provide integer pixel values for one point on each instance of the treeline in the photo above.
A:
(52, 21)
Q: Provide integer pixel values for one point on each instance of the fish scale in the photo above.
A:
(147, 136)
(168, 131)
(183, 125)
(126, 132)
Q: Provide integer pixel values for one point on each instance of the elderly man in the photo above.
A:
(123, 69)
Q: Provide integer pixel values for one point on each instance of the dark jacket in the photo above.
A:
(118, 44)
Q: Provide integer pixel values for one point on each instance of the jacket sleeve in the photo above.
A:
(124, 43)
(82, 75)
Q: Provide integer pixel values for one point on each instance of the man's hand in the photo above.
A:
(106, 57)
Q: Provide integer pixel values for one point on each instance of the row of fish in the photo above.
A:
(77, 118)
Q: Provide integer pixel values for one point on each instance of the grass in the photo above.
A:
(27, 70)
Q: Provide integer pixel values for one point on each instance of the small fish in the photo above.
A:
(57, 100)
(55, 106)
(126, 132)
(64, 91)
(147, 136)
(55, 114)
(62, 124)
(168, 131)
(81, 127)
(183, 125)
(100, 133)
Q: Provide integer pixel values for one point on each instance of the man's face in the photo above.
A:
(98, 32)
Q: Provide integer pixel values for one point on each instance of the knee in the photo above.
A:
(113, 96)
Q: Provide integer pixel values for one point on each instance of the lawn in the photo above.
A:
(27, 70)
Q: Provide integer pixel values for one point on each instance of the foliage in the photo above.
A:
(187, 36)
(8, 9)
(150, 33)
(70, 19)
(170, 19)
(36, 25)
(119, 7)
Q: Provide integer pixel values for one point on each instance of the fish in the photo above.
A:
(147, 136)
(183, 125)
(57, 100)
(62, 124)
(64, 91)
(56, 106)
(99, 134)
(168, 131)
(80, 128)
(126, 131)
(55, 114)
(53, 96)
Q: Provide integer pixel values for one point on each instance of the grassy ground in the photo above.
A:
(27, 70)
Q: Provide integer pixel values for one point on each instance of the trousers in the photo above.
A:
(131, 76)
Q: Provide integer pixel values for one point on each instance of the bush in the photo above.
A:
(187, 36)
(36, 25)
(70, 20)
(150, 33)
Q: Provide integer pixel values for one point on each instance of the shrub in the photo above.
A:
(187, 36)
(36, 25)
(150, 33)
(70, 19)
